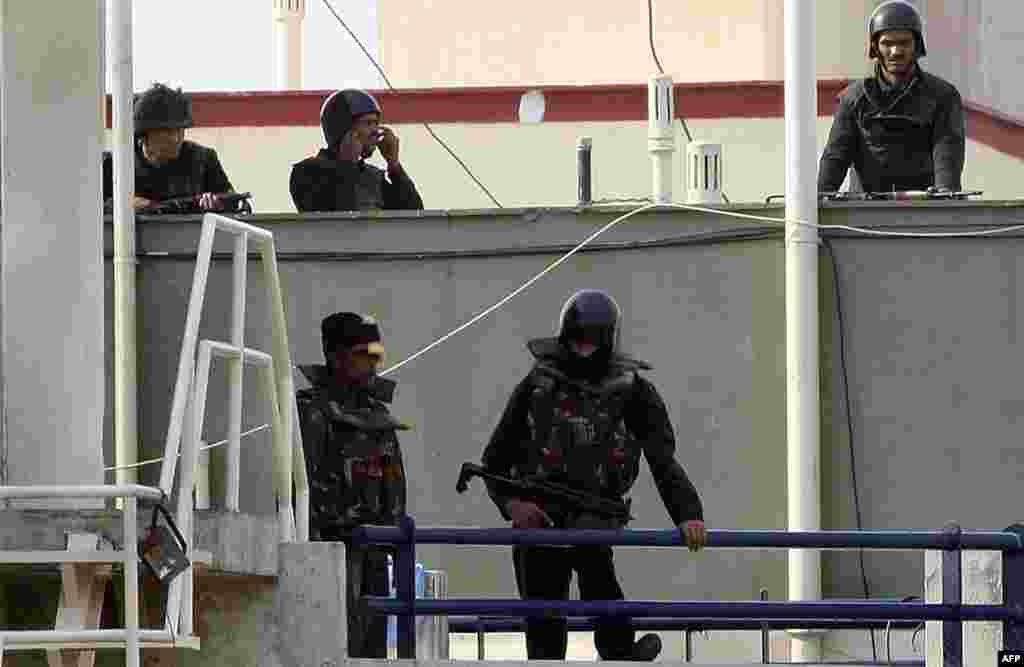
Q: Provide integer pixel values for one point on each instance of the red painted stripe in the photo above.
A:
(609, 103)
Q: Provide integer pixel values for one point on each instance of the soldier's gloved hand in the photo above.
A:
(208, 201)
(526, 514)
(693, 534)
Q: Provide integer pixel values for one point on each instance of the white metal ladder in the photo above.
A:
(184, 432)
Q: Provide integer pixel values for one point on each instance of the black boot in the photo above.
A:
(647, 648)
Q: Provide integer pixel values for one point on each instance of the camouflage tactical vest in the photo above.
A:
(360, 478)
(579, 437)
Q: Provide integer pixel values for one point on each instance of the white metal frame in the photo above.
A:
(130, 637)
(189, 403)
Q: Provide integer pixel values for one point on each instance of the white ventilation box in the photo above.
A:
(704, 173)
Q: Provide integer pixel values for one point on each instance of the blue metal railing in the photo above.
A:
(818, 614)
(480, 626)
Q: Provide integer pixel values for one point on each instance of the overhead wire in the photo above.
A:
(219, 443)
(430, 130)
(849, 426)
(687, 207)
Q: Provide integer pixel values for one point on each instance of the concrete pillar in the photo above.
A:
(51, 229)
(311, 610)
(981, 583)
(288, 16)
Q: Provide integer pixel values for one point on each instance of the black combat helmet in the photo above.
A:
(162, 107)
(592, 315)
(340, 109)
(895, 15)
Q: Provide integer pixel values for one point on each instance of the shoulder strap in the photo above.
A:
(543, 379)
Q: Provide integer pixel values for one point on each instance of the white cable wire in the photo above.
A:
(202, 449)
(860, 230)
(521, 288)
(686, 207)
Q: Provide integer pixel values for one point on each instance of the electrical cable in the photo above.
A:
(686, 207)
(650, 37)
(849, 427)
(430, 130)
(508, 297)
(202, 449)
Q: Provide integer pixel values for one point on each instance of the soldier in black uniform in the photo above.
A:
(582, 417)
(356, 475)
(338, 177)
(167, 166)
(903, 128)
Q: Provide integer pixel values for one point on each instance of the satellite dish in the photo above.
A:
(531, 107)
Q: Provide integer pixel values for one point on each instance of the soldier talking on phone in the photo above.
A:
(338, 177)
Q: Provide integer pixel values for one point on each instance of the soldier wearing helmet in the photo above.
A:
(584, 417)
(338, 178)
(903, 128)
(167, 166)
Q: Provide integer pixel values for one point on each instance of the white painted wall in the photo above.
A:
(52, 271)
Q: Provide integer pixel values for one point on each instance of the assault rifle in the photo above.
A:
(190, 204)
(898, 195)
(528, 487)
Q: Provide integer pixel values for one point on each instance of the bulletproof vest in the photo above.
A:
(579, 435)
(360, 479)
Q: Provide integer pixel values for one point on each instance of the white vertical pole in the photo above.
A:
(189, 459)
(282, 458)
(288, 17)
(186, 358)
(125, 375)
(661, 137)
(802, 416)
(282, 369)
(235, 366)
(131, 581)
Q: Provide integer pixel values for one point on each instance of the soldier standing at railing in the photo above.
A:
(356, 475)
(582, 418)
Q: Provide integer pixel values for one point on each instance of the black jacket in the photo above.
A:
(645, 418)
(354, 460)
(196, 170)
(323, 183)
(907, 139)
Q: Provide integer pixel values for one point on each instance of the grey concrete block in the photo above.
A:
(238, 543)
(313, 630)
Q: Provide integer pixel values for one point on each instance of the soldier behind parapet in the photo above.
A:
(167, 166)
(338, 177)
(356, 474)
(903, 128)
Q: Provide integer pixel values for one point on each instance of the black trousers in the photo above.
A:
(367, 574)
(544, 573)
